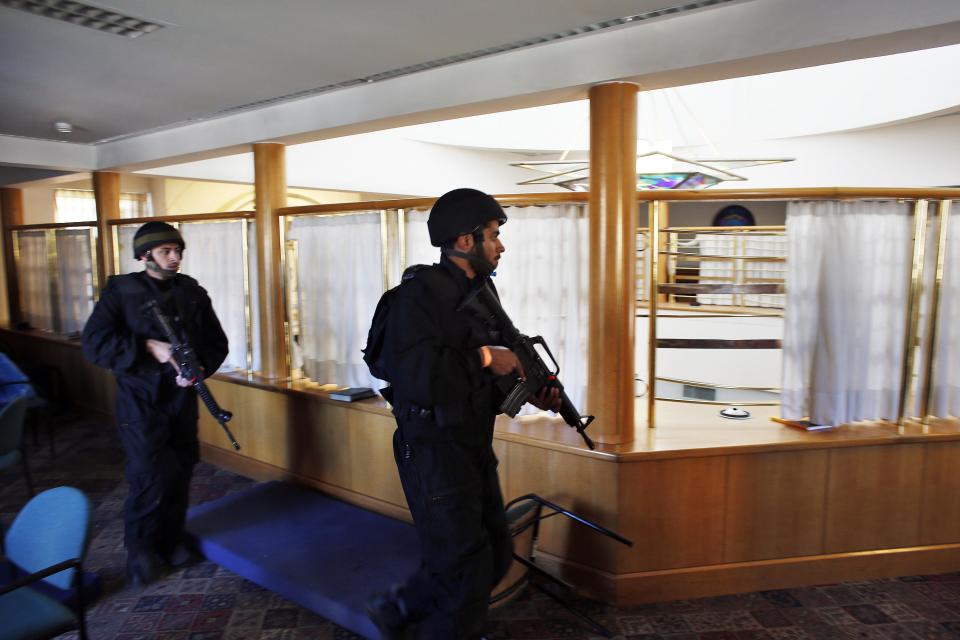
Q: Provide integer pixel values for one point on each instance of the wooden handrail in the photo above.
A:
(512, 200)
(187, 217)
(809, 193)
(530, 199)
(53, 225)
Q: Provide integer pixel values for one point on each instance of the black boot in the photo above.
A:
(180, 556)
(388, 612)
(143, 567)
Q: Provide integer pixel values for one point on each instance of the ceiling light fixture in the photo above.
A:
(86, 16)
(655, 170)
(63, 127)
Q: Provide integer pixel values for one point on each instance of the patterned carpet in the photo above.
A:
(206, 602)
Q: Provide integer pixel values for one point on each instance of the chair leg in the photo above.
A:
(50, 426)
(35, 425)
(26, 471)
(590, 622)
(81, 605)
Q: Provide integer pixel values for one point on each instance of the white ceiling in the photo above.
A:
(809, 115)
(844, 96)
(218, 55)
(227, 73)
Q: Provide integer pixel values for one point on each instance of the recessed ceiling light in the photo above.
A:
(86, 15)
(63, 127)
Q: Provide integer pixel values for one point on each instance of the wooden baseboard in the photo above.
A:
(714, 580)
(263, 471)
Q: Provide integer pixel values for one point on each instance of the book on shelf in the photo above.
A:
(803, 424)
(352, 393)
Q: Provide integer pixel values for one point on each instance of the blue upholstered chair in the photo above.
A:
(12, 417)
(47, 541)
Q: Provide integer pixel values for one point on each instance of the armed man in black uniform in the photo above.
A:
(443, 357)
(156, 409)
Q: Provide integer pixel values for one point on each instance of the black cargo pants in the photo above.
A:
(162, 449)
(454, 496)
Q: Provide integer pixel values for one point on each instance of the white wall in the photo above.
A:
(912, 154)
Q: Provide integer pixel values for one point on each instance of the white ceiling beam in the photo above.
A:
(47, 154)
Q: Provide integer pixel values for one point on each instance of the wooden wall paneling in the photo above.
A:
(261, 422)
(873, 497)
(523, 470)
(501, 449)
(673, 511)
(373, 470)
(940, 511)
(97, 387)
(85, 385)
(742, 577)
(587, 487)
(774, 505)
(319, 440)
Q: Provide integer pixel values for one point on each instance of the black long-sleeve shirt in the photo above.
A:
(115, 336)
(432, 354)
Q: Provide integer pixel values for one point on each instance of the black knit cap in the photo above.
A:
(153, 234)
(462, 211)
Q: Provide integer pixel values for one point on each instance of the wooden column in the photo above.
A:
(11, 208)
(106, 190)
(270, 176)
(613, 255)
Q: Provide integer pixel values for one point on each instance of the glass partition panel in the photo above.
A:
(339, 279)
(76, 285)
(126, 263)
(215, 256)
(34, 279)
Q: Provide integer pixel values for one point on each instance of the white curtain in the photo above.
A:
(848, 271)
(946, 383)
(34, 280)
(542, 280)
(80, 205)
(340, 280)
(75, 278)
(74, 205)
(214, 256)
(127, 263)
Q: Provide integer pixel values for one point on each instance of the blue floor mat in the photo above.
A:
(321, 553)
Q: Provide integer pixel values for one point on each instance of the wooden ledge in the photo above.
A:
(684, 431)
(372, 405)
(46, 336)
(693, 430)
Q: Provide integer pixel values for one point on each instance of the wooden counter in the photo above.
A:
(714, 506)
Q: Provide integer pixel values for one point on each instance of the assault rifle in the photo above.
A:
(190, 369)
(538, 373)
